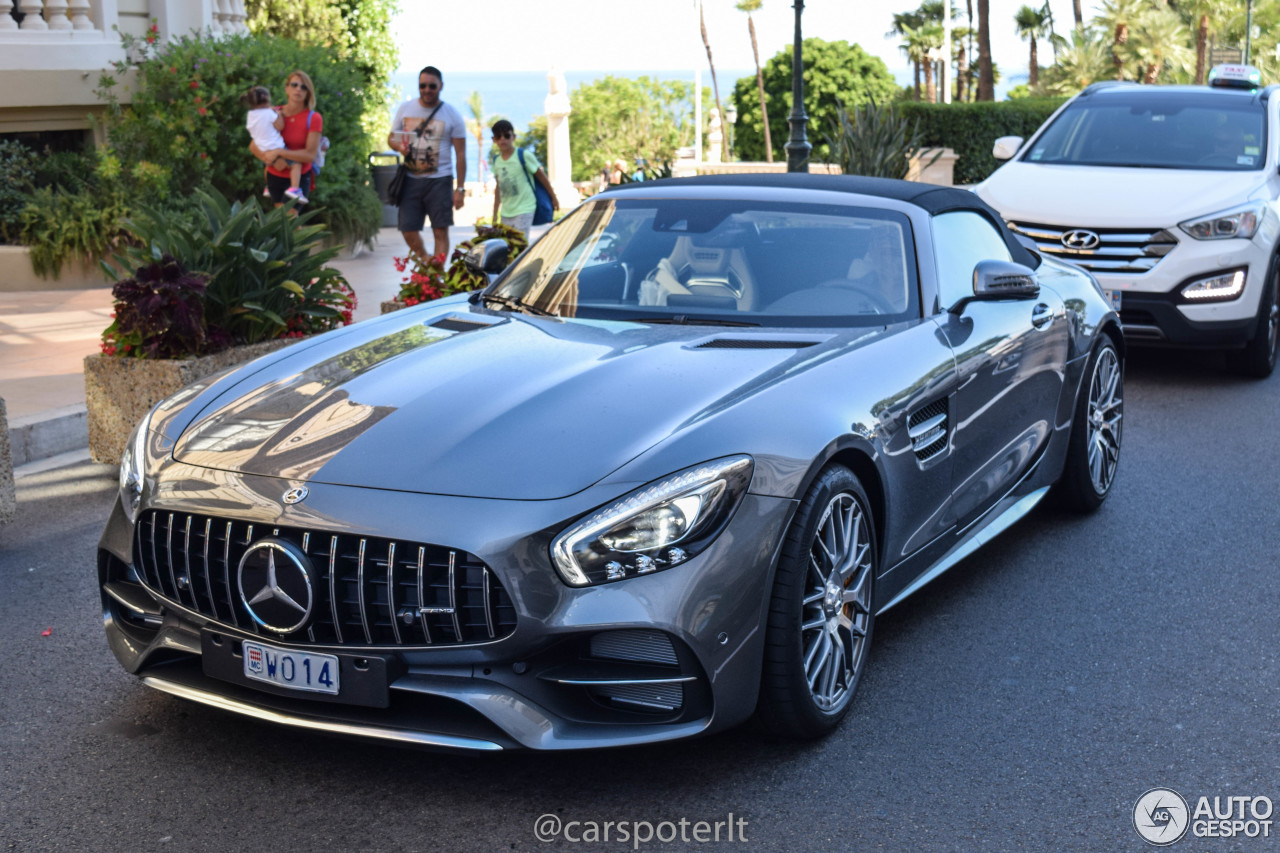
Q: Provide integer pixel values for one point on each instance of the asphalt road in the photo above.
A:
(1022, 702)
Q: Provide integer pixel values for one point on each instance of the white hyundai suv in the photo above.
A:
(1169, 196)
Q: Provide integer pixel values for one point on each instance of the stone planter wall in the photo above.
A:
(392, 305)
(120, 391)
(8, 493)
(16, 273)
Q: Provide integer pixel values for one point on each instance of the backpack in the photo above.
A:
(318, 163)
(543, 213)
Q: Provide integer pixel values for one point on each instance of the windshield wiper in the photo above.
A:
(509, 302)
(684, 320)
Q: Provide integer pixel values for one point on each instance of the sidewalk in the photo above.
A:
(45, 335)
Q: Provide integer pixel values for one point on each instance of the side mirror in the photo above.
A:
(1006, 147)
(1000, 280)
(487, 258)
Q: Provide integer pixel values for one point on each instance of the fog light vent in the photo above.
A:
(662, 698)
(639, 646)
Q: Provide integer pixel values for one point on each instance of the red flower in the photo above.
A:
(204, 156)
(201, 110)
(173, 69)
(155, 28)
(198, 99)
(195, 84)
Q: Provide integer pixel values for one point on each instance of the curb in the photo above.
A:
(50, 433)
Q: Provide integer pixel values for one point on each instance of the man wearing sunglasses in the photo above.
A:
(432, 137)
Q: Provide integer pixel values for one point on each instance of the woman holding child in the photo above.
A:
(302, 131)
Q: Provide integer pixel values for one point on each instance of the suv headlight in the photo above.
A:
(133, 467)
(1222, 287)
(1237, 222)
(655, 527)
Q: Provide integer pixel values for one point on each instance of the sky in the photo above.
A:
(662, 35)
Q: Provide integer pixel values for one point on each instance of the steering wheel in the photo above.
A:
(871, 295)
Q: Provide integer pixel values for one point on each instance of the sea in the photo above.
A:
(518, 96)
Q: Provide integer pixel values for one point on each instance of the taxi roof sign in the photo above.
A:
(1235, 76)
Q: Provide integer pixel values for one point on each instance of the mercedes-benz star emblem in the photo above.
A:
(275, 585)
(1081, 240)
(294, 496)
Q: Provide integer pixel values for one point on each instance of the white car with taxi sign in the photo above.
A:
(1168, 196)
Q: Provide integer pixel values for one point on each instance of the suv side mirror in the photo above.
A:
(487, 258)
(1006, 147)
(1000, 280)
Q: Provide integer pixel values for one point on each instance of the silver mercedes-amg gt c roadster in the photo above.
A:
(661, 475)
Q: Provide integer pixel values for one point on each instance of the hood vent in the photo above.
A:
(753, 343)
(463, 323)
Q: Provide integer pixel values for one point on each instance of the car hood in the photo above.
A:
(1091, 197)
(477, 404)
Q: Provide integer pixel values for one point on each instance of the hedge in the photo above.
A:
(970, 129)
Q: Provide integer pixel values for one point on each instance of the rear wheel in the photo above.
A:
(820, 613)
(1258, 358)
(1094, 451)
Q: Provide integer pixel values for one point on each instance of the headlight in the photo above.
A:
(1237, 222)
(133, 467)
(655, 527)
(1222, 287)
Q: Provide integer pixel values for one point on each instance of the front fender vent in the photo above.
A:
(927, 428)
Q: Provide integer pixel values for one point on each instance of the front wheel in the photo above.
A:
(1094, 450)
(1258, 358)
(820, 613)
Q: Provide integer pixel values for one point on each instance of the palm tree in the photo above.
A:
(986, 76)
(1117, 16)
(959, 37)
(750, 6)
(1158, 41)
(1031, 24)
(1085, 58)
(931, 42)
(476, 126)
(913, 46)
(1211, 18)
(724, 137)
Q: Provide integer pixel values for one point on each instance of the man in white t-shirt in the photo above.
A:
(432, 136)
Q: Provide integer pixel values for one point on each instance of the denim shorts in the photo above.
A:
(425, 198)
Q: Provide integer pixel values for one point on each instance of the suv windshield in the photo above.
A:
(721, 261)
(1151, 128)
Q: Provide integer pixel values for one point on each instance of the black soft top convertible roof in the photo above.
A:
(928, 197)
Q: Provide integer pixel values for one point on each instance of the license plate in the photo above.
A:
(292, 669)
(1113, 296)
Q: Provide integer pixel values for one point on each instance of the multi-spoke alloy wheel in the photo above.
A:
(1106, 409)
(1093, 453)
(821, 611)
(1258, 358)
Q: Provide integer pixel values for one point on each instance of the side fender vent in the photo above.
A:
(927, 428)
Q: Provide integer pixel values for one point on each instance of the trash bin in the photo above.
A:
(383, 165)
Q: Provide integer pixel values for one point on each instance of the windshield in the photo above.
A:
(1155, 129)
(719, 261)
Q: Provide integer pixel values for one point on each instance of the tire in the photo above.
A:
(1258, 358)
(1093, 453)
(820, 610)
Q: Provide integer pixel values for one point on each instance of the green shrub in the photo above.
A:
(873, 140)
(971, 129)
(17, 176)
(267, 275)
(61, 226)
(185, 128)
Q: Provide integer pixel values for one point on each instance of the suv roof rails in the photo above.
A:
(1105, 84)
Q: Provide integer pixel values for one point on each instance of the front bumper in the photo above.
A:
(551, 683)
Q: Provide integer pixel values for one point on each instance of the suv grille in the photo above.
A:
(1119, 250)
(367, 591)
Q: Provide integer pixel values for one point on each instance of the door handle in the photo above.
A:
(1041, 315)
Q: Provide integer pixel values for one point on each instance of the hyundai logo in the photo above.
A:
(275, 585)
(1081, 240)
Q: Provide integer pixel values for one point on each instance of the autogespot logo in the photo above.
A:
(1161, 816)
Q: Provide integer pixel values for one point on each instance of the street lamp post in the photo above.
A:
(797, 146)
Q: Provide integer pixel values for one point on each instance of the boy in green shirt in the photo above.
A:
(514, 196)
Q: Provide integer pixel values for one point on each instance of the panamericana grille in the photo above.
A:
(1119, 250)
(367, 591)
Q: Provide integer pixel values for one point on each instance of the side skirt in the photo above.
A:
(973, 542)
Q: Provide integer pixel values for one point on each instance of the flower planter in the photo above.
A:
(392, 305)
(120, 391)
